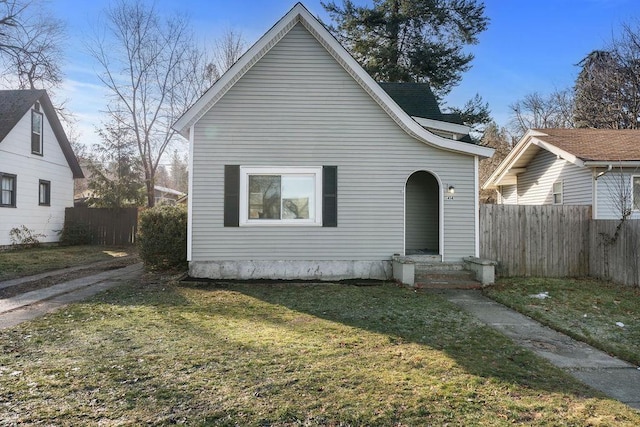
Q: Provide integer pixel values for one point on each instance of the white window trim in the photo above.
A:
(553, 193)
(245, 171)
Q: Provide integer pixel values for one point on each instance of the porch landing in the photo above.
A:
(429, 272)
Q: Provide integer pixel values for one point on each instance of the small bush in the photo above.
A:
(162, 237)
(73, 234)
(25, 237)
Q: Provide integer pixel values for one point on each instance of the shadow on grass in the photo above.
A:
(405, 316)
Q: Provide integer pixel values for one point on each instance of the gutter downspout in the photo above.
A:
(601, 174)
(594, 203)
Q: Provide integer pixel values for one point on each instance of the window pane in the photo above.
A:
(44, 193)
(36, 122)
(298, 197)
(636, 192)
(6, 196)
(264, 197)
(7, 183)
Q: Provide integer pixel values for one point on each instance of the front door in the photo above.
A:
(422, 214)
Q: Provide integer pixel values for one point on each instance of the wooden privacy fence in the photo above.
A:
(559, 241)
(617, 261)
(546, 241)
(103, 226)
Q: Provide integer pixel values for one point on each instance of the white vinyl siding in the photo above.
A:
(611, 188)
(298, 107)
(17, 159)
(509, 194)
(535, 185)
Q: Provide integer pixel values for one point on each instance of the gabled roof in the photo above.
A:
(299, 14)
(168, 190)
(609, 145)
(14, 104)
(582, 147)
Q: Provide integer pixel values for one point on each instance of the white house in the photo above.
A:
(303, 167)
(37, 166)
(597, 167)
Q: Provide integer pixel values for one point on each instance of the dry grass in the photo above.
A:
(287, 354)
(27, 262)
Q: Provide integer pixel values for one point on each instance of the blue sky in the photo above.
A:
(530, 45)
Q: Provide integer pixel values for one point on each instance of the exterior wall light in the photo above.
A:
(452, 189)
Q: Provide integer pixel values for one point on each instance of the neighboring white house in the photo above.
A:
(303, 167)
(166, 196)
(37, 165)
(597, 167)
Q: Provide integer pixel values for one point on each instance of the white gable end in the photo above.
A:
(29, 169)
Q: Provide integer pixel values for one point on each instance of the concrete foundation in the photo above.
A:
(291, 270)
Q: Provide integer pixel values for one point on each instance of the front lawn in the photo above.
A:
(280, 354)
(602, 314)
(27, 262)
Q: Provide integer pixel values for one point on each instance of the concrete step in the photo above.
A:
(437, 267)
(448, 285)
(447, 279)
(424, 258)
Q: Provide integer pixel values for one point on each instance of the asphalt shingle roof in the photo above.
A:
(416, 99)
(596, 144)
(14, 104)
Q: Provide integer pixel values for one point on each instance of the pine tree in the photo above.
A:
(116, 175)
(411, 40)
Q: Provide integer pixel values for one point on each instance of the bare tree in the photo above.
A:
(153, 71)
(536, 111)
(621, 185)
(498, 139)
(227, 50)
(31, 42)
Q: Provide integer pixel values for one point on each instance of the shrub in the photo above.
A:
(25, 237)
(162, 237)
(75, 234)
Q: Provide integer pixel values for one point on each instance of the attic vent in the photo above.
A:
(36, 106)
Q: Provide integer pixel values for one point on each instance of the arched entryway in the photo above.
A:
(422, 214)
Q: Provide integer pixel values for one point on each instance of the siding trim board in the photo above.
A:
(190, 199)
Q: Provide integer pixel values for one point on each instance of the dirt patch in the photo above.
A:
(46, 282)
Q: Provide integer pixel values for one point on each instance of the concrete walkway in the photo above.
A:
(614, 377)
(33, 304)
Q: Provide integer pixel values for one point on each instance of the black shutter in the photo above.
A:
(231, 195)
(329, 196)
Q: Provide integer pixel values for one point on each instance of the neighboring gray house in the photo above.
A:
(37, 165)
(597, 167)
(303, 167)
